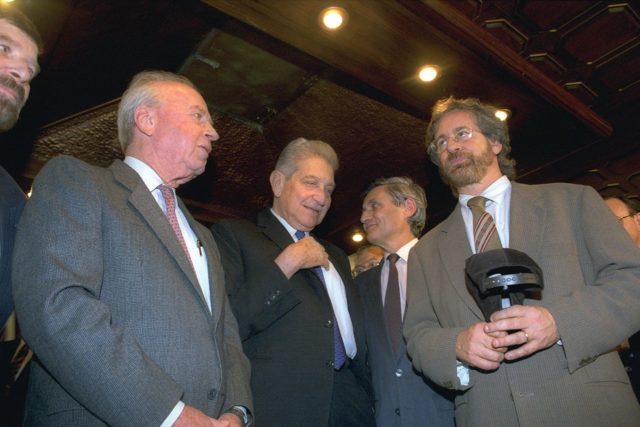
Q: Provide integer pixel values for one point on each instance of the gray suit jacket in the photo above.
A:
(592, 288)
(403, 397)
(11, 204)
(109, 303)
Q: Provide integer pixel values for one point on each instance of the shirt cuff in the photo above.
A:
(173, 415)
(462, 372)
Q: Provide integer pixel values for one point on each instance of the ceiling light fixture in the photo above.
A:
(503, 114)
(357, 237)
(333, 18)
(428, 73)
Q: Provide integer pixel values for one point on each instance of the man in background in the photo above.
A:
(118, 290)
(300, 316)
(21, 44)
(548, 361)
(367, 257)
(394, 212)
(627, 211)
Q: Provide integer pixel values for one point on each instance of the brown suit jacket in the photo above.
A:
(592, 288)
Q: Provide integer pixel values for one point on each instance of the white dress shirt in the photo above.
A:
(197, 253)
(401, 265)
(498, 205)
(337, 295)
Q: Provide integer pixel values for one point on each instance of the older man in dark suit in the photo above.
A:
(299, 314)
(550, 360)
(394, 212)
(118, 290)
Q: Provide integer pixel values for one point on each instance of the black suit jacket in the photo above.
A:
(403, 397)
(286, 324)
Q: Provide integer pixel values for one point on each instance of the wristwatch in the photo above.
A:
(243, 413)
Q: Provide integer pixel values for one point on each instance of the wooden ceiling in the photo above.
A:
(568, 70)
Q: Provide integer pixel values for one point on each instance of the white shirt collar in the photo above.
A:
(403, 252)
(150, 178)
(495, 192)
(285, 224)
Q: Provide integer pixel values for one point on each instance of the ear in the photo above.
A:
(277, 182)
(145, 119)
(410, 207)
(496, 147)
(636, 219)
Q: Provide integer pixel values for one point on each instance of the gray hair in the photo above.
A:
(301, 149)
(142, 91)
(490, 126)
(401, 188)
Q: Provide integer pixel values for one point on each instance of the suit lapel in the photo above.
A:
(527, 219)
(143, 201)
(276, 232)
(454, 250)
(272, 228)
(213, 267)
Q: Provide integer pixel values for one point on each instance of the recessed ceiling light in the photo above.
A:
(503, 114)
(357, 237)
(333, 18)
(428, 73)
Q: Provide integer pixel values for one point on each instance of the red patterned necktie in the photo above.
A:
(485, 234)
(170, 203)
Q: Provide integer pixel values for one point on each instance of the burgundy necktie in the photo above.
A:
(485, 234)
(392, 308)
(170, 203)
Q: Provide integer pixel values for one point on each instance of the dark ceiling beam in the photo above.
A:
(446, 18)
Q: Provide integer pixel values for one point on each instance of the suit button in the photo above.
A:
(211, 395)
(273, 297)
(329, 324)
(398, 374)
(267, 302)
(397, 411)
(330, 364)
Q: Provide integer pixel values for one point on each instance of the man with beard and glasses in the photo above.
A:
(549, 361)
(20, 44)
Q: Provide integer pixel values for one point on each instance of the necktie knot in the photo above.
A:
(393, 258)
(167, 194)
(485, 234)
(477, 202)
(300, 234)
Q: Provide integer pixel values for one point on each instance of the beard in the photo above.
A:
(470, 171)
(10, 107)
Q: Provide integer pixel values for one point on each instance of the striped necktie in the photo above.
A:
(485, 234)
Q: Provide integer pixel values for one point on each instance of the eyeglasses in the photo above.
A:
(460, 135)
(627, 216)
